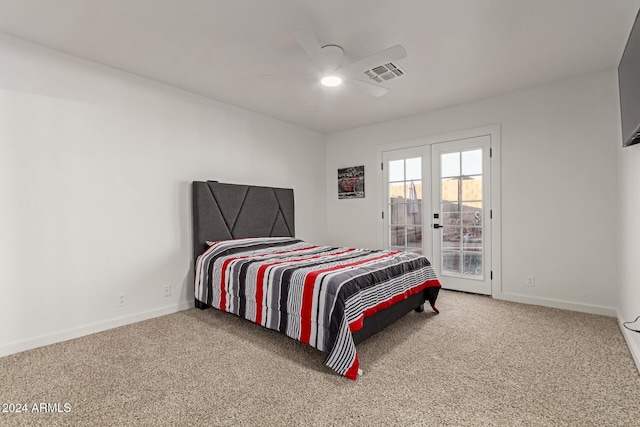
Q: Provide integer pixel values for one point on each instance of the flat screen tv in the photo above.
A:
(629, 84)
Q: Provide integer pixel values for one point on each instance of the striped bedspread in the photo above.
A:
(318, 295)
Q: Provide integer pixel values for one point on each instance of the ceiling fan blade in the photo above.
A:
(310, 44)
(369, 88)
(385, 56)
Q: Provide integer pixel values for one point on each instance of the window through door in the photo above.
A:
(404, 203)
(461, 205)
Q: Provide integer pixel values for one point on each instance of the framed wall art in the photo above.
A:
(351, 182)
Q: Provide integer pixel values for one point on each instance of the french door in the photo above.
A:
(437, 203)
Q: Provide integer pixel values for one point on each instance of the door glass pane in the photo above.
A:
(471, 214)
(396, 191)
(472, 239)
(414, 237)
(450, 262)
(450, 238)
(396, 170)
(472, 188)
(451, 219)
(472, 162)
(415, 190)
(414, 203)
(450, 164)
(397, 212)
(397, 236)
(414, 168)
(450, 189)
(414, 214)
(450, 206)
(472, 264)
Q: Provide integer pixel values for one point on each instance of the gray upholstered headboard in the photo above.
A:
(232, 211)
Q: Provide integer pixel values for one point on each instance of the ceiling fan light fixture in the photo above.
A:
(331, 80)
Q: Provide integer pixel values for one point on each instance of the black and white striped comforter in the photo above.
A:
(318, 295)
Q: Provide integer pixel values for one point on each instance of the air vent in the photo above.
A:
(385, 72)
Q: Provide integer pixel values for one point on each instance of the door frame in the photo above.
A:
(495, 204)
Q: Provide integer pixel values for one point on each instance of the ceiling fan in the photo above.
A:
(365, 74)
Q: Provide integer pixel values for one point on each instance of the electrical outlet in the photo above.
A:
(122, 300)
(531, 281)
(166, 291)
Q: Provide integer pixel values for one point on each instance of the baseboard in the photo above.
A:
(31, 343)
(632, 341)
(554, 303)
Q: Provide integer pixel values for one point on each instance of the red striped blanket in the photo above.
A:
(318, 295)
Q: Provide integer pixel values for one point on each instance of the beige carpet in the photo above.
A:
(481, 362)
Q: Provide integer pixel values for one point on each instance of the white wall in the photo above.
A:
(95, 172)
(558, 186)
(629, 252)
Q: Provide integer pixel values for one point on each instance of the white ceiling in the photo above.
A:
(242, 52)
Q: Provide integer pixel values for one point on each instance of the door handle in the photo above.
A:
(437, 226)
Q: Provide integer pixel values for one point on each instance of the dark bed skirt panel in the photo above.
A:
(380, 320)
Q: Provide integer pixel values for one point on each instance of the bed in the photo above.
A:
(248, 262)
